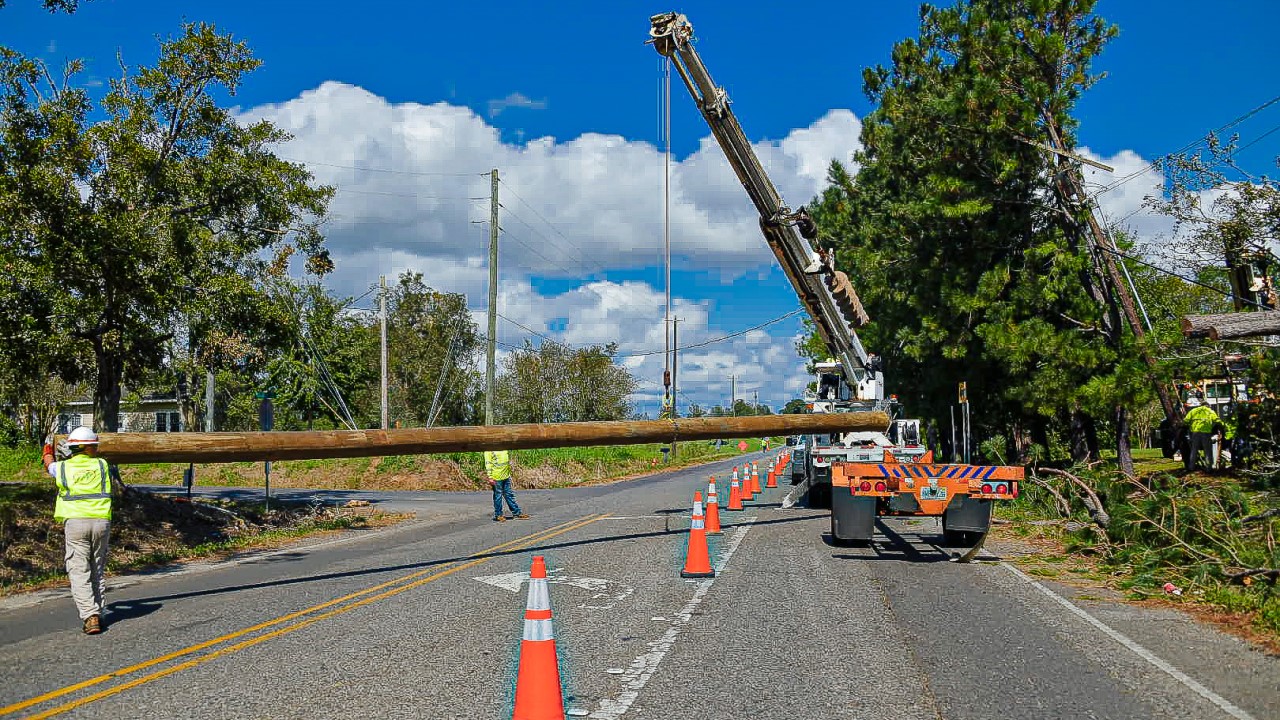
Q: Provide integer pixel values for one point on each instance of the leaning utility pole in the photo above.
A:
(493, 296)
(1071, 185)
(382, 320)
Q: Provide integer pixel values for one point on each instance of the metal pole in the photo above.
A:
(968, 435)
(493, 296)
(675, 362)
(382, 317)
(666, 207)
(733, 395)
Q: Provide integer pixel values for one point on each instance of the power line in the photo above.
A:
(341, 189)
(713, 341)
(548, 240)
(535, 332)
(556, 230)
(382, 170)
(1152, 165)
(534, 250)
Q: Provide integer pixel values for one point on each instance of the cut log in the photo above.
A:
(130, 448)
(1231, 325)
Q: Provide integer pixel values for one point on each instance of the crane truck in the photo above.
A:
(860, 475)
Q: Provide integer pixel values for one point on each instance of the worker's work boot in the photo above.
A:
(92, 625)
(499, 518)
(522, 516)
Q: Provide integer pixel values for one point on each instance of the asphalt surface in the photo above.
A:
(424, 620)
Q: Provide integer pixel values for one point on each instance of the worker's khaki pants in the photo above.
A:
(87, 562)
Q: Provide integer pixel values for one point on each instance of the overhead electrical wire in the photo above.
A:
(713, 341)
(1185, 148)
(384, 170)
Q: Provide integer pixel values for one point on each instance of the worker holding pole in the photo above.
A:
(497, 465)
(84, 507)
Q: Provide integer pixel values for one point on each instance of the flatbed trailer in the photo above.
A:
(962, 495)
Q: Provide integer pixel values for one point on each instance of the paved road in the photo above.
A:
(424, 620)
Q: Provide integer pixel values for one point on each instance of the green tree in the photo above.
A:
(971, 263)
(794, 406)
(557, 383)
(153, 219)
(432, 347)
(330, 368)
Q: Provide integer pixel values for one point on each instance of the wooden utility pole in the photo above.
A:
(733, 395)
(1231, 325)
(131, 448)
(493, 297)
(1071, 185)
(382, 318)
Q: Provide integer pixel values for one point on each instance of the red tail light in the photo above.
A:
(866, 486)
(1014, 493)
(986, 489)
(1001, 489)
(880, 486)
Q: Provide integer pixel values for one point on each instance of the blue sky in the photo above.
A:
(565, 94)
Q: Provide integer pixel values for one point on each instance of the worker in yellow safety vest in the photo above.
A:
(84, 507)
(497, 465)
(667, 410)
(1201, 421)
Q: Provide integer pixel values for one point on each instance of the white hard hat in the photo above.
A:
(1193, 401)
(82, 436)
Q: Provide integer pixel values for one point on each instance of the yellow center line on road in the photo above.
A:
(417, 579)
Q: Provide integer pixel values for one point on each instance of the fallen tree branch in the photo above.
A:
(1097, 513)
(1269, 573)
(1273, 512)
(1064, 507)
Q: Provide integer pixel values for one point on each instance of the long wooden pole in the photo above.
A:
(130, 448)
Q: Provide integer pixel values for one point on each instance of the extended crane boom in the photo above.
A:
(825, 292)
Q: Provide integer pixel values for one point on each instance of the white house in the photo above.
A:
(153, 413)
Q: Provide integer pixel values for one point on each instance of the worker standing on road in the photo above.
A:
(497, 465)
(1200, 420)
(84, 507)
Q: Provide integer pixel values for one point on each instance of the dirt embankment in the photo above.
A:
(148, 530)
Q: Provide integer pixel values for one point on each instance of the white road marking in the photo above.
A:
(643, 667)
(1204, 692)
(607, 593)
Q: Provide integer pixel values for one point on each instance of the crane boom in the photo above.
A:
(825, 292)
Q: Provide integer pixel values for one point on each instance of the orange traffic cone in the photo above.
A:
(713, 508)
(747, 495)
(697, 561)
(735, 495)
(773, 478)
(755, 480)
(538, 695)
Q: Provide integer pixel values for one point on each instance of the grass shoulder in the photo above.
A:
(1171, 538)
(150, 531)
